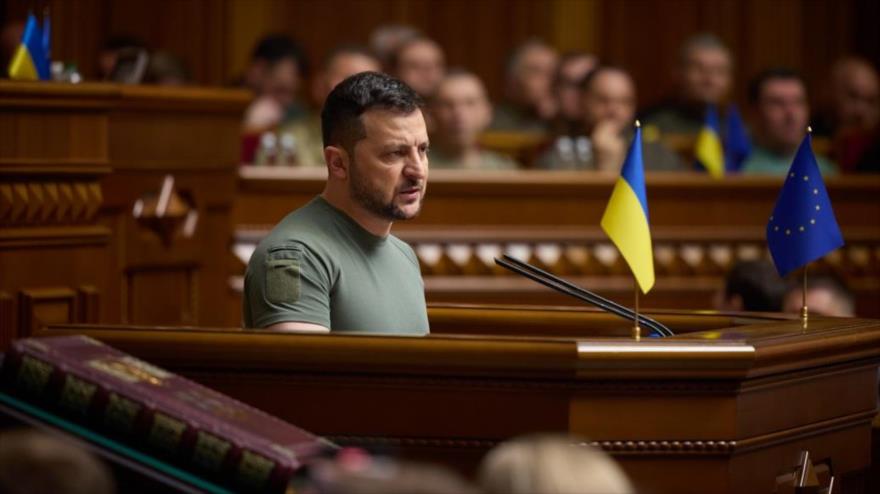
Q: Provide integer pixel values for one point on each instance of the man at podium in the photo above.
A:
(333, 264)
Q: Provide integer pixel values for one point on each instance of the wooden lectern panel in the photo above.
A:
(725, 406)
(78, 165)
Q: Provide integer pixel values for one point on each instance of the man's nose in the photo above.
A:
(416, 166)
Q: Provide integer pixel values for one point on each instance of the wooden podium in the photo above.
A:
(725, 406)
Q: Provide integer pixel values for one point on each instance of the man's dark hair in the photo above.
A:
(341, 117)
(756, 86)
(757, 284)
(274, 48)
(120, 41)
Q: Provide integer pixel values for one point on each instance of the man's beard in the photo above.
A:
(372, 200)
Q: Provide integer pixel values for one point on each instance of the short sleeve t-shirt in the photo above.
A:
(320, 266)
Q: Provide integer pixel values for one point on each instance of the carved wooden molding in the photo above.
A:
(34, 203)
(688, 447)
(49, 236)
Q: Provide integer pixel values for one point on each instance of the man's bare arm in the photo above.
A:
(298, 326)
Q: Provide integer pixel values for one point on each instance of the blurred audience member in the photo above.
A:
(275, 74)
(10, 38)
(827, 295)
(385, 40)
(530, 104)
(573, 68)
(704, 76)
(110, 51)
(358, 473)
(420, 63)
(166, 69)
(550, 464)
(752, 286)
(781, 115)
(854, 122)
(608, 99)
(32, 462)
(341, 63)
(461, 112)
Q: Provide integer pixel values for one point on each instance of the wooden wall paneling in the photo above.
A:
(40, 307)
(216, 37)
(163, 295)
(8, 324)
(88, 303)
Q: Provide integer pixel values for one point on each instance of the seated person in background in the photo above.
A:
(386, 39)
(166, 69)
(827, 295)
(573, 68)
(752, 286)
(355, 472)
(781, 115)
(608, 96)
(530, 105)
(855, 114)
(333, 264)
(703, 77)
(551, 464)
(275, 74)
(33, 462)
(340, 64)
(110, 52)
(461, 111)
(420, 63)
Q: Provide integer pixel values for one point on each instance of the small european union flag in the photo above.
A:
(803, 227)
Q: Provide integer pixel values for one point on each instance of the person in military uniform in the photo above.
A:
(461, 112)
(333, 264)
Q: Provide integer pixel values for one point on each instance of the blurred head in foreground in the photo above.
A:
(551, 464)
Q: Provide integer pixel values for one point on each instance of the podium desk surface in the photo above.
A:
(728, 402)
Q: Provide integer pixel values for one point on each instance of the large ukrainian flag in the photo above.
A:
(30, 61)
(625, 220)
(709, 152)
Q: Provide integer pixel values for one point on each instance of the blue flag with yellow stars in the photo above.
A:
(802, 227)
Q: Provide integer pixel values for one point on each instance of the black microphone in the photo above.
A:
(560, 285)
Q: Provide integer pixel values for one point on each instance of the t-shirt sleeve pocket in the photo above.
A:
(283, 280)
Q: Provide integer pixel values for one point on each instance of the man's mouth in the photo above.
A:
(410, 193)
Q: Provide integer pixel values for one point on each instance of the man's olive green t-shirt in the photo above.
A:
(320, 266)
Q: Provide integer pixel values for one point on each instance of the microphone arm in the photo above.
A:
(560, 285)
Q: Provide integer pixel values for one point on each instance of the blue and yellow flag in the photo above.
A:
(708, 150)
(30, 61)
(737, 145)
(802, 227)
(625, 220)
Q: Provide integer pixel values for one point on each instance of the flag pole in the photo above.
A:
(804, 312)
(637, 330)
(805, 315)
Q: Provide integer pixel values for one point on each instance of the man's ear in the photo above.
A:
(337, 160)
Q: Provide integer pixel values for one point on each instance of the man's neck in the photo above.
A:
(341, 200)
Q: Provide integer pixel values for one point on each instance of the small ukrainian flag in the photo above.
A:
(625, 220)
(709, 152)
(30, 61)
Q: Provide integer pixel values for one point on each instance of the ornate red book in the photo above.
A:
(190, 424)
